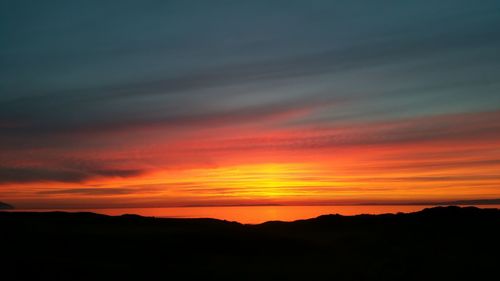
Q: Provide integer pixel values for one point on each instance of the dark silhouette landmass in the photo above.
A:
(470, 202)
(474, 202)
(5, 206)
(442, 243)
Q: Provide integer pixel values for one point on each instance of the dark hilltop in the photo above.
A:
(442, 243)
(5, 206)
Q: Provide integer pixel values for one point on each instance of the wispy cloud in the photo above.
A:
(91, 191)
(37, 174)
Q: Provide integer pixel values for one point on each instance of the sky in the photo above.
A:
(183, 103)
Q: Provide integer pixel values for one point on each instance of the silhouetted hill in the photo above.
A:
(474, 202)
(444, 243)
(5, 206)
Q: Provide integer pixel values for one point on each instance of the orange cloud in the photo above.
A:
(444, 157)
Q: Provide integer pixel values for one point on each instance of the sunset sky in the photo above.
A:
(178, 103)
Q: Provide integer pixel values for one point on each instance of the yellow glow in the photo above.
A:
(259, 180)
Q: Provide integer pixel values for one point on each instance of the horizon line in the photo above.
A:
(495, 201)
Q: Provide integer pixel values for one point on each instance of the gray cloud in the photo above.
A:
(36, 174)
(450, 42)
(91, 191)
(450, 128)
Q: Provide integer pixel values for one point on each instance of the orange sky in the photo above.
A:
(256, 163)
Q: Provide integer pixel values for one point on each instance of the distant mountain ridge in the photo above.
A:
(5, 206)
(474, 202)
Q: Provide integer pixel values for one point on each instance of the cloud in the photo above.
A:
(183, 97)
(35, 174)
(91, 191)
(438, 164)
(463, 127)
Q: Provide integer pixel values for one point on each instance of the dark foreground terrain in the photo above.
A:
(435, 244)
